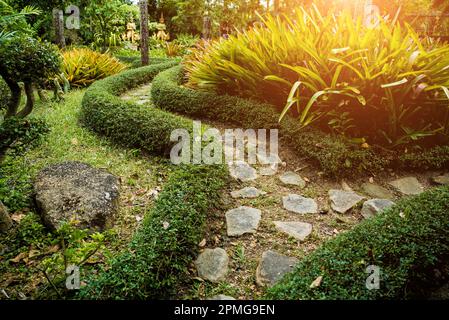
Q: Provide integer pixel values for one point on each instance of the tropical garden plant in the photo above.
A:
(83, 66)
(379, 83)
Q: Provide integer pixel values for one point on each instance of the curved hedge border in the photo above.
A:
(163, 247)
(136, 62)
(408, 242)
(334, 154)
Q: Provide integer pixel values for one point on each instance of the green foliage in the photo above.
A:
(19, 134)
(31, 231)
(12, 21)
(127, 123)
(335, 155)
(83, 66)
(5, 94)
(163, 248)
(15, 184)
(392, 84)
(408, 242)
(28, 60)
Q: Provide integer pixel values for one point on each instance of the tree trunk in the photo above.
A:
(5, 219)
(30, 101)
(14, 101)
(143, 4)
(58, 23)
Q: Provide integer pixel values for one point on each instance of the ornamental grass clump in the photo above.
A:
(378, 84)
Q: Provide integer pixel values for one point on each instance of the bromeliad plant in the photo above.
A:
(83, 66)
(381, 83)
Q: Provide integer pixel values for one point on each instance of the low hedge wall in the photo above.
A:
(163, 247)
(136, 62)
(335, 155)
(409, 242)
(128, 123)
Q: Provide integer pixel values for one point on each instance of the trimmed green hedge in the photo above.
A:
(161, 251)
(164, 246)
(408, 242)
(335, 155)
(136, 62)
(128, 123)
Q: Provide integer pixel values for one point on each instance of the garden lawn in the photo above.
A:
(68, 141)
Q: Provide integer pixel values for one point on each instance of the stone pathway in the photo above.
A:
(277, 215)
(243, 222)
(140, 95)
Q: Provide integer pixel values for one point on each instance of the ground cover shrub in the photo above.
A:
(128, 123)
(83, 66)
(29, 61)
(19, 134)
(384, 83)
(408, 242)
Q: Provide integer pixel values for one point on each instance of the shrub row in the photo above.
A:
(162, 249)
(334, 154)
(408, 242)
(136, 62)
(125, 122)
(158, 257)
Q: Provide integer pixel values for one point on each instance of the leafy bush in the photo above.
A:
(163, 248)
(128, 123)
(19, 134)
(409, 242)
(384, 84)
(27, 60)
(83, 66)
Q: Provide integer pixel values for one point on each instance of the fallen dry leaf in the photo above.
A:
(316, 283)
(202, 244)
(19, 257)
(17, 217)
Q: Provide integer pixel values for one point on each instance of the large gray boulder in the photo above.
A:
(76, 191)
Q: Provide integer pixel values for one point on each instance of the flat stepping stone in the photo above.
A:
(299, 204)
(292, 178)
(212, 264)
(272, 267)
(267, 171)
(242, 171)
(441, 180)
(343, 201)
(221, 297)
(247, 193)
(242, 220)
(408, 186)
(265, 159)
(297, 230)
(372, 207)
(376, 191)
